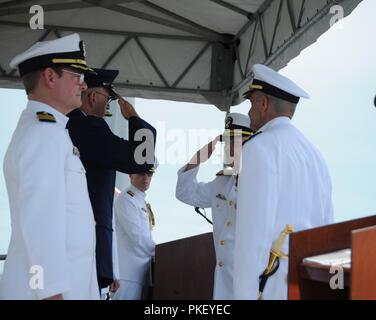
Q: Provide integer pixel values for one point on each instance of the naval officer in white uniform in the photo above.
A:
(219, 195)
(134, 222)
(283, 180)
(51, 253)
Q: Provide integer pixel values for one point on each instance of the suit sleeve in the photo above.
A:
(129, 220)
(115, 259)
(42, 207)
(192, 192)
(100, 146)
(256, 211)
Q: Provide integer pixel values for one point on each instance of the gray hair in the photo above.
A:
(86, 92)
(281, 106)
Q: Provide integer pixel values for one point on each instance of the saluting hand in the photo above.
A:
(126, 108)
(203, 154)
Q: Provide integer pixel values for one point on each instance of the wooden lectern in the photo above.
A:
(308, 281)
(184, 269)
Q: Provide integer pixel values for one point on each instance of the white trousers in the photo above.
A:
(129, 290)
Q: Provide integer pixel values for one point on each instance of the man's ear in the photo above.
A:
(92, 97)
(49, 76)
(264, 103)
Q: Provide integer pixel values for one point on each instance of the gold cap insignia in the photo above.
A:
(228, 122)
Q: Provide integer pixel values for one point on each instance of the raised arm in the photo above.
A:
(188, 189)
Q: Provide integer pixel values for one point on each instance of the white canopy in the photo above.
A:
(184, 50)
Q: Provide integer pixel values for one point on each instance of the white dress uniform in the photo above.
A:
(220, 195)
(52, 220)
(135, 244)
(283, 180)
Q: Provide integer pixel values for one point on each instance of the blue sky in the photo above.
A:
(339, 72)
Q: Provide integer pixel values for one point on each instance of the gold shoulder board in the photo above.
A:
(45, 116)
(251, 137)
(130, 193)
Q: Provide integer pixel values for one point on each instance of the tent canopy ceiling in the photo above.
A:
(197, 51)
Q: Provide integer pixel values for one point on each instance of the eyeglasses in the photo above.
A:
(77, 75)
(109, 98)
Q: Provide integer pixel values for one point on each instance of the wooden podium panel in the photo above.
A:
(184, 269)
(363, 281)
(312, 282)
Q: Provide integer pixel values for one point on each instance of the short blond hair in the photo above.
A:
(31, 80)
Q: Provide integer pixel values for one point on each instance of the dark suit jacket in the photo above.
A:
(103, 153)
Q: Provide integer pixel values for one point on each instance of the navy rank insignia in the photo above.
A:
(45, 116)
(76, 152)
(130, 193)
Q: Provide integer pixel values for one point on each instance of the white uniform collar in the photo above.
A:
(36, 106)
(137, 192)
(274, 122)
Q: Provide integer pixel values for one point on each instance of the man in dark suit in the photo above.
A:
(103, 153)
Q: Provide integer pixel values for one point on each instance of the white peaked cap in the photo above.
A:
(237, 119)
(237, 124)
(65, 51)
(271, 82)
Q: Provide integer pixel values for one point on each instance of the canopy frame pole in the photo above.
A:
(115, 52)
(295, 36)
(189, 67)
(151, 61)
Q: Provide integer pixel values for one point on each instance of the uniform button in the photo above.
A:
(220, 263)
(228, 223)
(222, 242)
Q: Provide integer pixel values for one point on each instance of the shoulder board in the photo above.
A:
(130, 193)
(220, 173)
(45, 116)
(251, 137)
